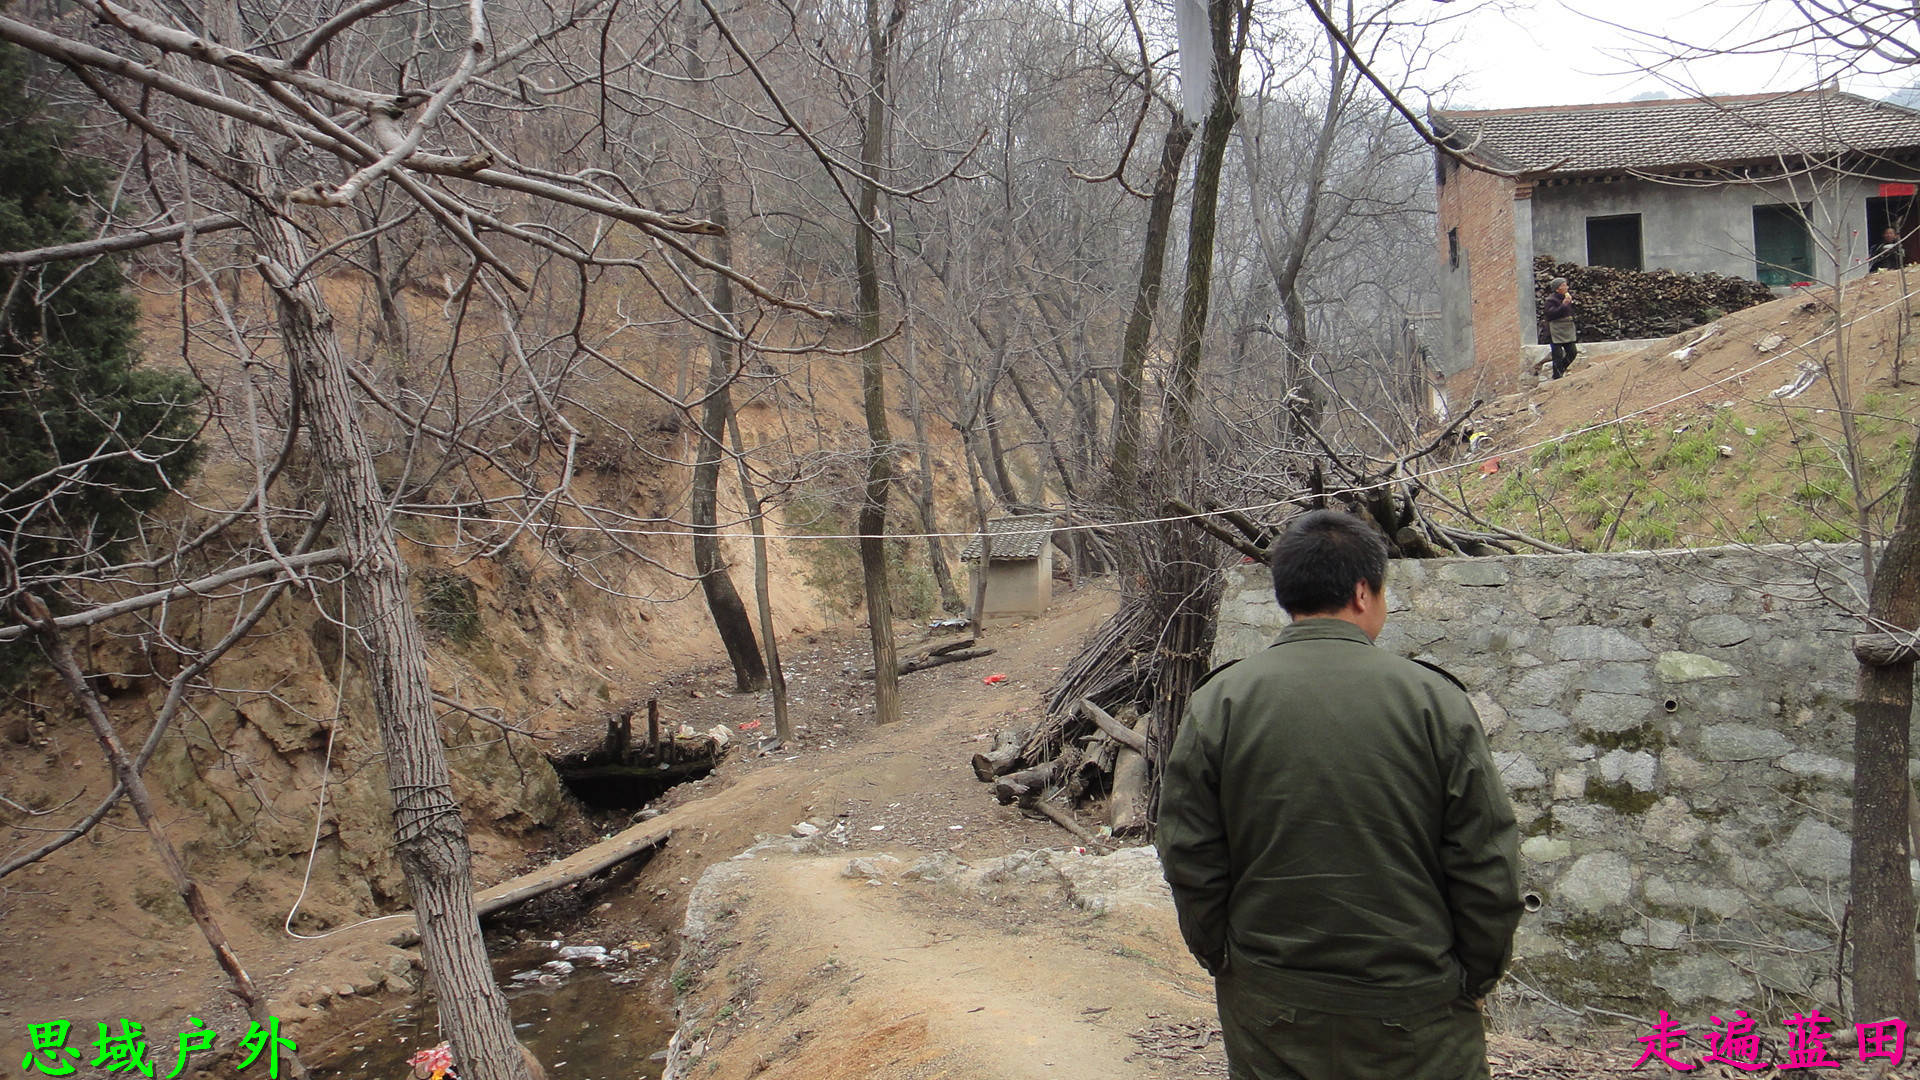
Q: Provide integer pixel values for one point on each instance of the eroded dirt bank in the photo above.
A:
(911, 779)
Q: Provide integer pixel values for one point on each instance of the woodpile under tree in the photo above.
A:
(1618, 305)
(1108, 723)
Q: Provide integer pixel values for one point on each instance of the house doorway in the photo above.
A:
(1782, 246)
(1894, 209)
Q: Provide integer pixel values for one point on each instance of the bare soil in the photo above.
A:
(72, 952)
(1777, 449)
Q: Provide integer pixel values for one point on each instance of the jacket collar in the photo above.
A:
(1322, 629)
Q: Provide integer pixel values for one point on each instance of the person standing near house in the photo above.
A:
(1560, 329)
(1891, 254)
(1341, 849)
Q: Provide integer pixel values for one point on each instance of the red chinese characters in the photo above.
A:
(1734, 1043)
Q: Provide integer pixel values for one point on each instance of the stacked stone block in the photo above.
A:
(1674, 730)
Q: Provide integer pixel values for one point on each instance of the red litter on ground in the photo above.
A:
(994, 679)
(751, 725)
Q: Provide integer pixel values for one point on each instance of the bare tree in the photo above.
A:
(266, 118)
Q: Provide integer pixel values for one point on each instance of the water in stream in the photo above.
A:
(586, 1028)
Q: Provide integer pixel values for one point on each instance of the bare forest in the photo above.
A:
(432, 292)
(328, 324)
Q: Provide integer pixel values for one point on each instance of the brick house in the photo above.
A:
(1777, 187)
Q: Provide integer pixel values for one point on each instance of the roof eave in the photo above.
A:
(1791, 161)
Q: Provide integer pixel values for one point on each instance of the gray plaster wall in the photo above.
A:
(1674, 730)
(1526, 309)
(1707, 228)
(1455, 353)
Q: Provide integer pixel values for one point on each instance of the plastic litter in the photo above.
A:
(1806, 373)
(994, 679)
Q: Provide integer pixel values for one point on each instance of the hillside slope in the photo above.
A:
(1734, 432)
(273, 784)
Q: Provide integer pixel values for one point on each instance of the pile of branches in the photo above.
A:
(1617, 305)
(1111, 717)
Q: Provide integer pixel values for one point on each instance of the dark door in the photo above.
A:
(1782, 246)
(1896, 212)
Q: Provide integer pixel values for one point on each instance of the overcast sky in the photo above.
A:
(1550, 53)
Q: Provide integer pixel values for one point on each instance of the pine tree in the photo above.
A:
(71, 386)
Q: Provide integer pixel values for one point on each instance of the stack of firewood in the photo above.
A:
(1109, 760)
(1617, 305)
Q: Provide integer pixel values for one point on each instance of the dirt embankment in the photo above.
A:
(1733, 432)
(273, 785)
(72, 951)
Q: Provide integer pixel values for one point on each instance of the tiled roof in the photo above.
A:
(1015, 538)
(1668, 135)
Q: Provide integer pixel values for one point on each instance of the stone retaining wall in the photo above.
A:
(1674, 729)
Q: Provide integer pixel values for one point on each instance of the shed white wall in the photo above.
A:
(1018, 588)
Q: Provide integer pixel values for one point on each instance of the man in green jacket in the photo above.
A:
(1341, 850)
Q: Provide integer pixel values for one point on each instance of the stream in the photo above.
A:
(584, 1027)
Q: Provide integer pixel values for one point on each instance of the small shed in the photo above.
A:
(1020, 569)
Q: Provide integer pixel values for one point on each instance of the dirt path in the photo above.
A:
(906, 789)
(809, 973)
(952, 950)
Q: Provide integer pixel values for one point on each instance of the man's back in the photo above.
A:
(1330, 820)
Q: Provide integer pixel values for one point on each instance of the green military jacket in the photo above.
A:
(1333, 827)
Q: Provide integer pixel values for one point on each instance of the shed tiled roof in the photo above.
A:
(1669, 135)
(1022, 537)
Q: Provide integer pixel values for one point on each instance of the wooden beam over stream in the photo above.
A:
(579, 866)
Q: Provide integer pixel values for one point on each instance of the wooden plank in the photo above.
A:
(578, 866)
(582, 864)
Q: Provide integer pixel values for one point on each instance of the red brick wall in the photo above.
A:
(1480, 206)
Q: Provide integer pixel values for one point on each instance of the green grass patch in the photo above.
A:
(1720, 476)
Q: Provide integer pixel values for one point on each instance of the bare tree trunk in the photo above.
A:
(1040, 424)
(723, 360)
(1881, 912)
(723, 601)
(977, 607)
(873, 509)
(936, 552)
(430, 838)
(1292, 302)
(1202, 223)
(763, 593)
(978, 452)
(997, 454)
(1146, 299)
(1187, 583)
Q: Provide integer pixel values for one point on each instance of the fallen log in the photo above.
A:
(1064, 819)
(934, 659)
(568, 872)
(575, 868)
(1025, 786)
(923, 663)
(1127, 804)
(1115, 730)
(1094, 774)
(1002, 759)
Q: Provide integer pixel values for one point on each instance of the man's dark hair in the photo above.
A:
(1321, 556)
